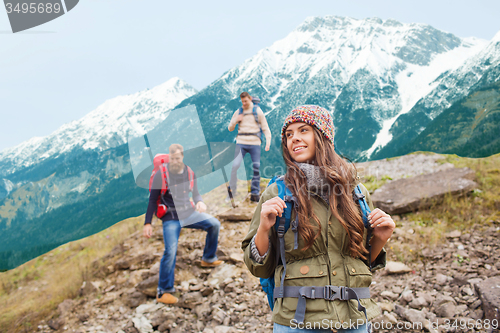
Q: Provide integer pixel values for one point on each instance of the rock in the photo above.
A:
(138, 276)
(389, 318)
(83, 316)
(236, 256)
(190, 300)
(409, 194)
(148, 308)
(159, 318)
(237, 214)
(219, 315)
(389, 294)
(87, 288)
(446, 310)
(454, 234)
(142, 324)
(459, 309)
(148, 287)
(203, 310)
(166, 326)
(134, 299)
(385, 306)
(415, 316)
(65, 307)
(489, 291)
(442, 279)
(122, 264)
(418, 303)
(55, 324)
(224, 329)
(407, 296)
(155, 269)
(226, 271)
(393, 267)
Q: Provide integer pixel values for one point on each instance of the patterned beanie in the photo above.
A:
(313, 115)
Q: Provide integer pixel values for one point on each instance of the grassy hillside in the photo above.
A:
(31, 291)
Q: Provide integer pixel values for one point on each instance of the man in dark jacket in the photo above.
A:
(180, 213)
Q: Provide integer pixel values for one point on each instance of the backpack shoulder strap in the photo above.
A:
(191, 178)
(240, 110)
(164, 178)
(360, 199)
(256, 116)
(282, 225)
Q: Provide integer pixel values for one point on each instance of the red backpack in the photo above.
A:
(160, 163)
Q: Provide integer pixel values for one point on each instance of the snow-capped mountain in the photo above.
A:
(479, 70)
(367, 72)
(103, 128)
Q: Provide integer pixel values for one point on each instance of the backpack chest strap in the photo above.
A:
(328, 293)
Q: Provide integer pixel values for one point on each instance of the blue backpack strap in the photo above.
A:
(282, 225)
(256, 116)
(240, 110)
(359, 197)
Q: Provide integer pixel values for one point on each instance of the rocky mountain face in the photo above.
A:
(459, 116)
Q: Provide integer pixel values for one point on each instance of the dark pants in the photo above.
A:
(240, 152)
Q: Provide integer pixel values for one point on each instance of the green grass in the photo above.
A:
(32, 291)
(478, 210)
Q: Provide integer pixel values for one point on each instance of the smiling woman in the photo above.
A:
(300, 142)
(325, 266)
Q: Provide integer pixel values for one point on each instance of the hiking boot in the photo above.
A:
(211, 264)
(254, 197)
(167, 298)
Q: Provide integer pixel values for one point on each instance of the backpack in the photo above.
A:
(283, 224)
(160, 164)
(256, 102)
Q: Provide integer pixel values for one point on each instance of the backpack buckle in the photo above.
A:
(334, 292)
(358, 195)
(281, 231)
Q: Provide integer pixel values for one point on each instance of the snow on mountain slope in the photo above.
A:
(453, 84)
(104, 127)
(346, 45)
(416, 82)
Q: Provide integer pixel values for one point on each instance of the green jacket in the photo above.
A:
(326, 262)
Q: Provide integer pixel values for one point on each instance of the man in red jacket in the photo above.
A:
(180, 213)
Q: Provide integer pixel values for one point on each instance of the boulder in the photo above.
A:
(393, 267)
(142, 324)
(409, 194)
(148, 287)
(489, 291)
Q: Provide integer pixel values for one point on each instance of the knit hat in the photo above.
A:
(313, 115)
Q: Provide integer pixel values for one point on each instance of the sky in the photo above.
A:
(62, 70)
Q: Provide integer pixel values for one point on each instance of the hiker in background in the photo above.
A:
(252, 125)
(181, 212)
(327, 268)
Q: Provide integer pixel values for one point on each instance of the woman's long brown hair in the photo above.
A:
(341, 177)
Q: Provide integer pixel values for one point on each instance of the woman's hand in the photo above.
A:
(382, 223)
(269, 210)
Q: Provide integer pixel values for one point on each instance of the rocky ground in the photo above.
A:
(448, 288)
